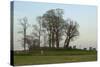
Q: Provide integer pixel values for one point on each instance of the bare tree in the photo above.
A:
(47, 23)
(53, 21)
(58, 26)
(71, 31)
(24, 24)
(37, 29)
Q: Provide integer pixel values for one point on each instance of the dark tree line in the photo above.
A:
(53, 23)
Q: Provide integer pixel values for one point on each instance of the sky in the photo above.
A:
(86, 17)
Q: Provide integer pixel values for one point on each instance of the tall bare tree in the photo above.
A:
(38, 29)
(24, 24)
(47, 23)
(58, 26)
(71, 31)
(53, 21)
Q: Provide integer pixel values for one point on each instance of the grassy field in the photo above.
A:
(54, 56)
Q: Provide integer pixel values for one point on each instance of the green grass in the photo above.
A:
(53, 56)
(26, 60)
(57, 52)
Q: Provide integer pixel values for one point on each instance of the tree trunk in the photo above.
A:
(67, 45)
(24, 39)
(57, 43)
(53, 41)
(65, 42)
(50, 40)
(39, 38)
(57, 40)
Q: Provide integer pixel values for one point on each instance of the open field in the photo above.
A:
(54, 56)
(31, 60)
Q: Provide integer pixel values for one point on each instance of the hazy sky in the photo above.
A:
(86, 17)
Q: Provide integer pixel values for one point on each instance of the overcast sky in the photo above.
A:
(86, 17)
